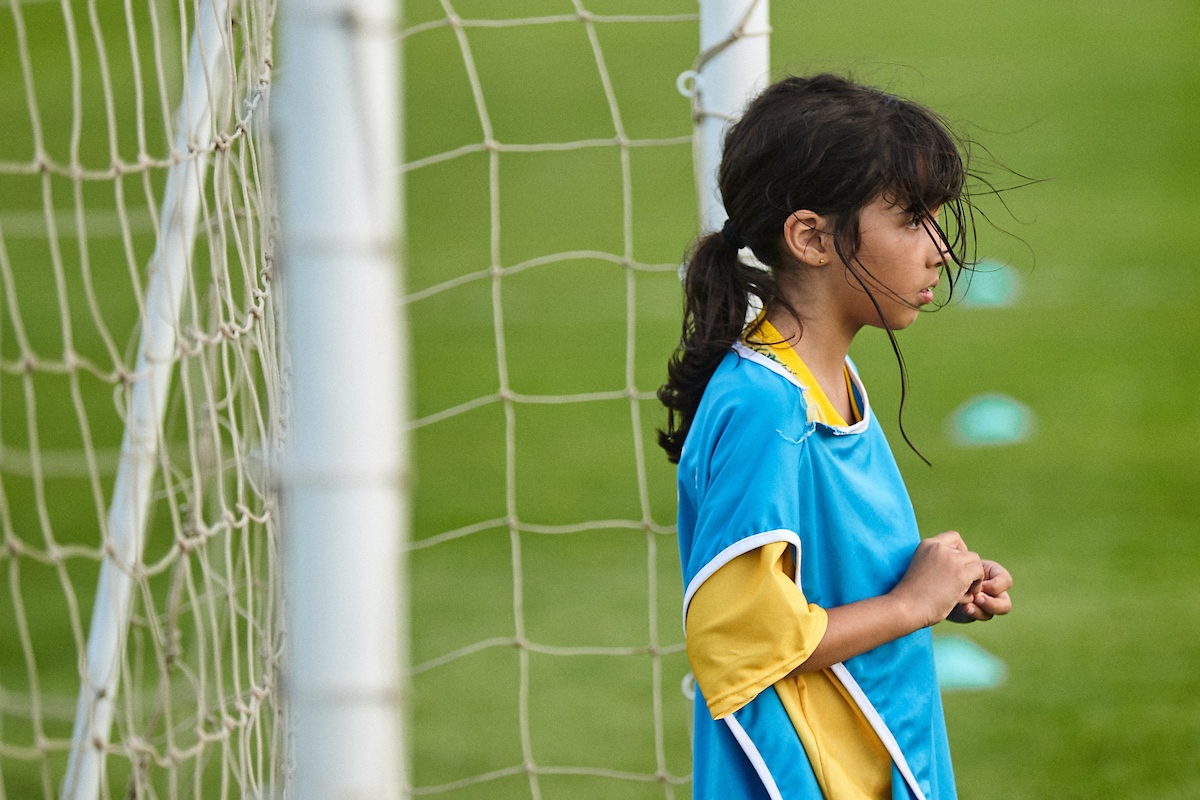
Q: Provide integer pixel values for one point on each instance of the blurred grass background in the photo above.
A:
(1097, 516)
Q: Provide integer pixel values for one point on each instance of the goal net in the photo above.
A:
(551, 195)
(140, 401)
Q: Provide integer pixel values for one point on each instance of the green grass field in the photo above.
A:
(1097, 516)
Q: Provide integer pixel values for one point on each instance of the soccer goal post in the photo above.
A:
(154, 368)
(345, 474)
(734, 64)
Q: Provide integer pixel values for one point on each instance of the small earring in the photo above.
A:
(822, 261)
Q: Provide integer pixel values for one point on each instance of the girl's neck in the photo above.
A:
(823, 347)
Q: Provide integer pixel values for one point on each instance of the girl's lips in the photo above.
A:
(925, 295)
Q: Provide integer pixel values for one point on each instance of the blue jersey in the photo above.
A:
(757, 468)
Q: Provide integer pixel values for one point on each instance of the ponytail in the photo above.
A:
(716, 289)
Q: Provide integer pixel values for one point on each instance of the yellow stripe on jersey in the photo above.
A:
(848, 758)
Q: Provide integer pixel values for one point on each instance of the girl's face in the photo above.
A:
(899, 260)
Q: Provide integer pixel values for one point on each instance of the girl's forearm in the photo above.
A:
(860, 626)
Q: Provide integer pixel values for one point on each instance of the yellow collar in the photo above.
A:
(768, 341)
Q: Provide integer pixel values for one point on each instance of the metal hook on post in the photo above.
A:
(688, 83)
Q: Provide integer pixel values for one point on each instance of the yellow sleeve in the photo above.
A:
(748, 626)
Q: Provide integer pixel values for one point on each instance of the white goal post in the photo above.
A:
(734, 65)
(131, 496)
(345, 475)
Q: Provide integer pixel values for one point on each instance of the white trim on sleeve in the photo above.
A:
(734, 550)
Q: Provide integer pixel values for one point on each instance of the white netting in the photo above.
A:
(90, 92)
(544, 577)
(547, 645)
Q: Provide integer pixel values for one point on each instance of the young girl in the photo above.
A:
(809, 592)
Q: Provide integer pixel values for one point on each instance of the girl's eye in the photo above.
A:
(920, 219)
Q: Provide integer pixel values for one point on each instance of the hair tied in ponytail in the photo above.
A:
(730, 236)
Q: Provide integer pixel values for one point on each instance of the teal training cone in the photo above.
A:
(990, 284)
(991, 419)
(962, 664)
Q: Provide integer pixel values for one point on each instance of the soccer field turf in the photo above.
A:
(1097, 515)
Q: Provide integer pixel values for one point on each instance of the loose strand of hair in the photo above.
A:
(891, 334)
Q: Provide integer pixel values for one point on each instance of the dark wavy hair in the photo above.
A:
(831, 146)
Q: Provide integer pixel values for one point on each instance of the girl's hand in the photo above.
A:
(989, 599)
(943, 574)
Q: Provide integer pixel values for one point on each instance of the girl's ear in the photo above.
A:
(807, 238)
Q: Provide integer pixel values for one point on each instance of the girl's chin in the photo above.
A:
(899, 320)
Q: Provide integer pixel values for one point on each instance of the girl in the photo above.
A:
(809, 592)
